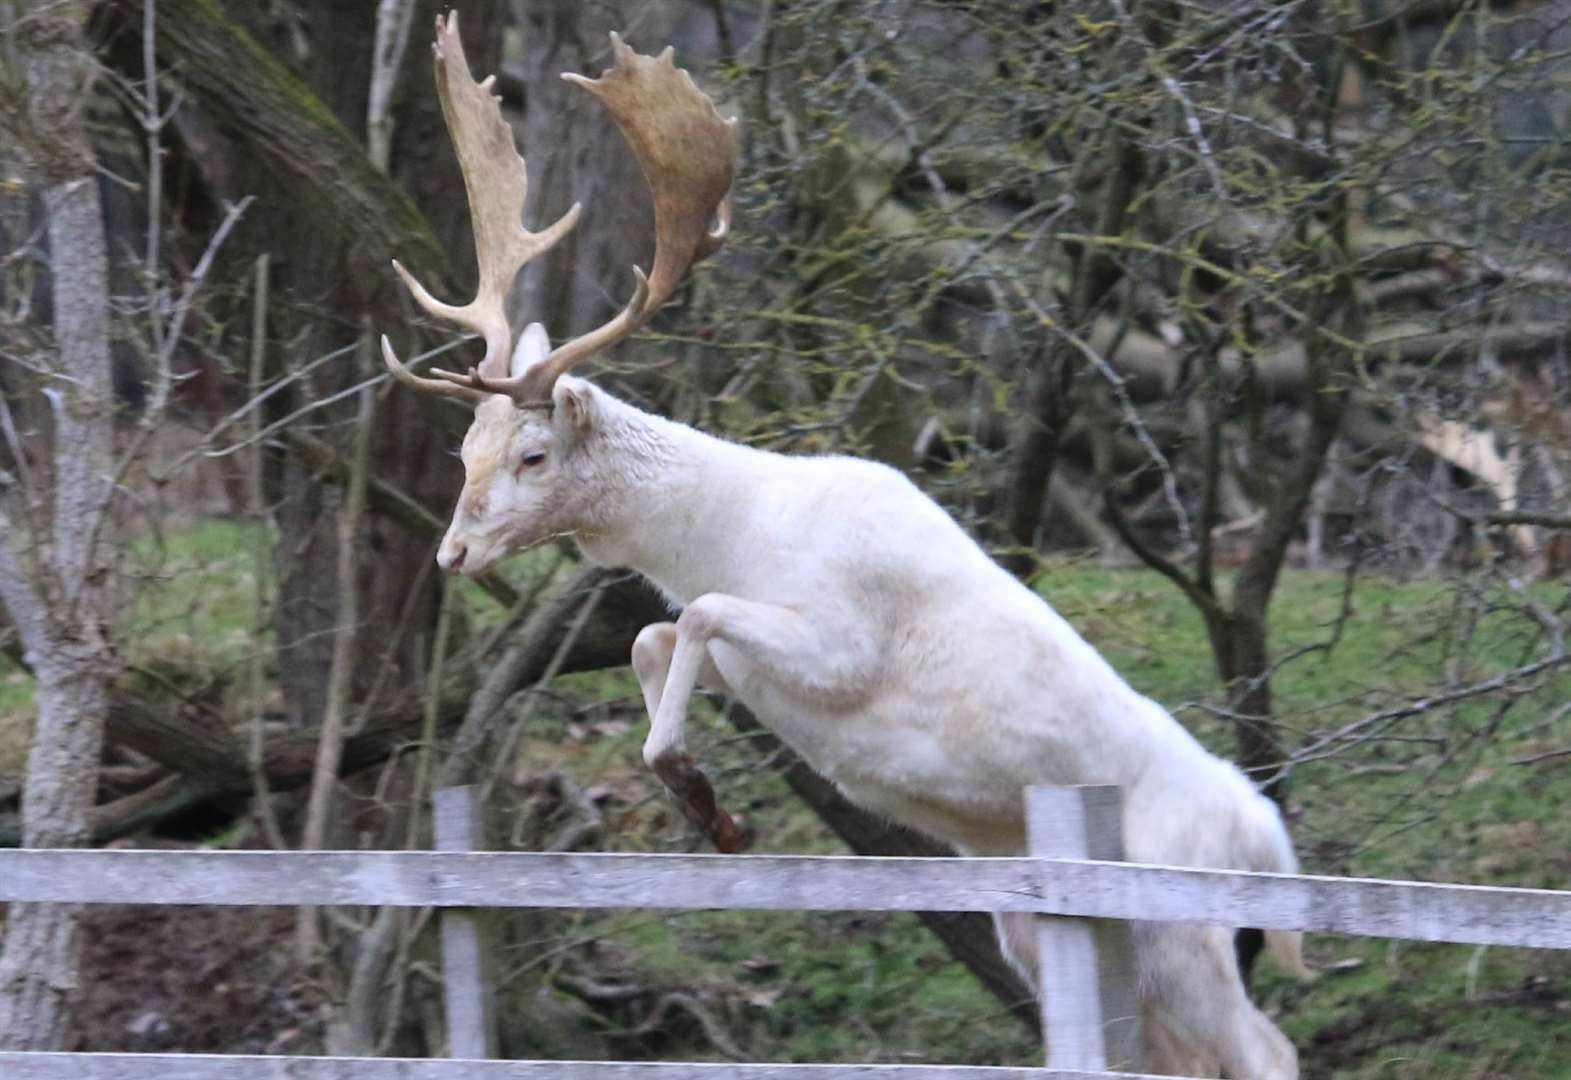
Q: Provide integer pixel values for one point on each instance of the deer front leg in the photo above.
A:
(652, 651)
(810, 657)
(665, 751)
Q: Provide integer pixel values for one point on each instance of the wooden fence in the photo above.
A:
(1073, 879)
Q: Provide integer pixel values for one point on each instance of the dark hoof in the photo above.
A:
(695, 796)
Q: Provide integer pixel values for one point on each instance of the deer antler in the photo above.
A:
(496, 182)
(687, 154)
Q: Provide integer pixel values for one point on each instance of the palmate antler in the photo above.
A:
(687, 154)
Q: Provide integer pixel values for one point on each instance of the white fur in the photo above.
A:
(859, 622)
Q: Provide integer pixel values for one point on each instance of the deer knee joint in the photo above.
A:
(652, 649)
(700, 620)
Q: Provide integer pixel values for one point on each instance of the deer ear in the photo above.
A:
(573, 404)
(532, 347)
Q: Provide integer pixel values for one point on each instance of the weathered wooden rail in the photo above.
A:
(1468, 914)
(236, 1067)
(1087, 1016)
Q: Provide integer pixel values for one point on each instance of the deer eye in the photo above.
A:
(531, 459)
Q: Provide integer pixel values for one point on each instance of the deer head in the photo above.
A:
(523, 477)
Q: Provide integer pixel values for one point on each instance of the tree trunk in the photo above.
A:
(1244, 657)
(39, 966)
(576, 154)
(323, 262)
(59, 601)
(399, 591)
(1051, 393)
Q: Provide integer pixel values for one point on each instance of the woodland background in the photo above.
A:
(1238, 329)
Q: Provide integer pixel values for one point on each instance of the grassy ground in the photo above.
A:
(189, 608)
(1471, 793)
(16, 725)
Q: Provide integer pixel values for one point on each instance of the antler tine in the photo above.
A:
(687, 153)
(496, 182)
(447, 387)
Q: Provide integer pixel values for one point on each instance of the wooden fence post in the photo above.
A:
(466, 970)
(1090, 1019)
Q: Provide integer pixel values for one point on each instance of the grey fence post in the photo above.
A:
(466, 973)
(1089, 1015)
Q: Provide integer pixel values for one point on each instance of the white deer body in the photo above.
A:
(844, 607)
(928, 666)
(919, 666)
(863, 626)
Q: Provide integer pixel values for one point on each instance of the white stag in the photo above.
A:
(844, 607)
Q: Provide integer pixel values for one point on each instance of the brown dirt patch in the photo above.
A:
(192, 980)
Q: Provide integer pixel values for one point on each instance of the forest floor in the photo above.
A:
(1477, 793)
(197, 980)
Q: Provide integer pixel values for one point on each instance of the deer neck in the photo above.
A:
(670, 503)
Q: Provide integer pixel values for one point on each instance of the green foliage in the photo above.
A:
(193, 601)
(16, 722)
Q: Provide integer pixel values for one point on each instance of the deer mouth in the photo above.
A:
(468, 556)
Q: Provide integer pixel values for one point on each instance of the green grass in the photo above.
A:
(192, 594)
(188, 609)
(16, 688)
(16, 724)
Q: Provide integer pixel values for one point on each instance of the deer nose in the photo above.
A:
(451, 558)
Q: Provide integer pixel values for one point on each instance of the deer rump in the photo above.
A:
(853, 615)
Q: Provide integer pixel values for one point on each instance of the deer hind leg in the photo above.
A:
(1017, 941)
(1168, 1055)
(1194, 999)
(1195, 1017)
(1162, 1053)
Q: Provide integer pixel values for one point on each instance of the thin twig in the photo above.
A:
(340, 680)
(152, 125)
(163, 384)
(315, 405)
(262, 555)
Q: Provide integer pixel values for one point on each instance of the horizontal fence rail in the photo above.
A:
(1466, 914)
(25, 1066)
